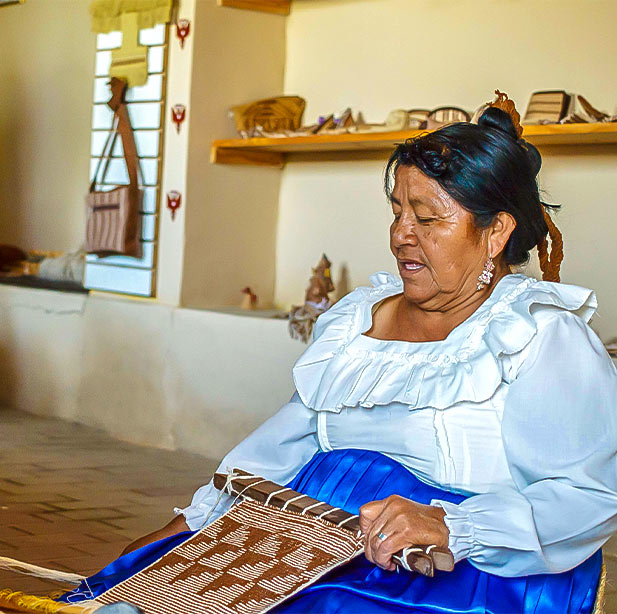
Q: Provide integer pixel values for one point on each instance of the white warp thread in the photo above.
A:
(39, 572)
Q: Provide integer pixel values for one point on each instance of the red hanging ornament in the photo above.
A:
(174, 199)
(178, 114)
(183, 27)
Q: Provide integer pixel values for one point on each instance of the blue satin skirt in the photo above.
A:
(348, 479)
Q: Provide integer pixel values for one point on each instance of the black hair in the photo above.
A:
(486, 168)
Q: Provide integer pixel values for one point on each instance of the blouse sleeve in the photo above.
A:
(277, 450)
(560, 435)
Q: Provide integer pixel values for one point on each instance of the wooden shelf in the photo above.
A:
(275, 151)
(279, 7)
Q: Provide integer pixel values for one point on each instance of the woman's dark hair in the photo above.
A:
(487, 169)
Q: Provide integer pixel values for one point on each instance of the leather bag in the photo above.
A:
(112, 217)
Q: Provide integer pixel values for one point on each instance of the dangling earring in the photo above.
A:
(484, 279)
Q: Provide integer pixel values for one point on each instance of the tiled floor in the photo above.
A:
(72, 498)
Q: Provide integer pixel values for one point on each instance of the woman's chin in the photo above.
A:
(416, 292)
(417, 284)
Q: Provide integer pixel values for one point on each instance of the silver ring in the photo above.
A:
(382, 536)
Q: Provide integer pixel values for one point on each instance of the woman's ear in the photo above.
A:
(499, 232)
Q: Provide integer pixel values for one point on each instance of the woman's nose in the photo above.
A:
(404, 232)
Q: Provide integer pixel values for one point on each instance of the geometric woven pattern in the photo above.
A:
(246, 562)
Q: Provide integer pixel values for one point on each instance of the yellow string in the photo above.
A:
(37, 605)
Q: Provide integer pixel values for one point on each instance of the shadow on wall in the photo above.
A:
(12, 159)
(8, 363)
(341, 287)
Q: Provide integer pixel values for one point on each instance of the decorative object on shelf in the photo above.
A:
(316, 301)
(271, 115)
(112, 216)
(441, 116)
(581, 111)
(178, 115)
(281, 117)
(174, 200)
(560, 107)
(183, 28)
(344, 123)
(547, 107)
(416, 119)
(396, 121)
(130, 61)
(249, 301)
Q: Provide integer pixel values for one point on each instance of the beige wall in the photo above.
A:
(231, 212)
(200, 380)
(377, 55)
(46, 72)
(146, 373)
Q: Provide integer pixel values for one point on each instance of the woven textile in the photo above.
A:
(246, 562)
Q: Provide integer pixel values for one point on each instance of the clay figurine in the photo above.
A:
(249, 301)
(316, 301)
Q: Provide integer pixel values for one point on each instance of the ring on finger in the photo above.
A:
(381, 536)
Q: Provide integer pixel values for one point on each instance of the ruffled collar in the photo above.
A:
(344, 368)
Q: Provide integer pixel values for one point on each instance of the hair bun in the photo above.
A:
(499, 120)
(534, 157)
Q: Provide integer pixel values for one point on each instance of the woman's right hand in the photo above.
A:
(177, 525)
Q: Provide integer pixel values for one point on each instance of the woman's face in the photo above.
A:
(439, 250)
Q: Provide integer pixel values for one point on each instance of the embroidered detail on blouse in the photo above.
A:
(344, 368)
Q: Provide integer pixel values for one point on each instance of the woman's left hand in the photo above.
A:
(404, 523)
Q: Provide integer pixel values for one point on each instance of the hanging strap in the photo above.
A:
(106, 154)
(118, 106)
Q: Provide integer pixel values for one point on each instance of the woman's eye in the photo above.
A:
(425, 220)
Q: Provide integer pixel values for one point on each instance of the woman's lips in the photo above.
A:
(410, 266)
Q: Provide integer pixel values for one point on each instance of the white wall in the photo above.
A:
(378, 55)
(46, 83)
(146, 373)
(231, 211)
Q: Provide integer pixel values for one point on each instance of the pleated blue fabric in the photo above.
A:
(350, 478)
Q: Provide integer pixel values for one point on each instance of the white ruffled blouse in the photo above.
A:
(517, 408)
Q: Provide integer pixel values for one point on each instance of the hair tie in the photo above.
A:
(550, 265)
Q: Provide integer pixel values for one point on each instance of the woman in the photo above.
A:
(460, 405)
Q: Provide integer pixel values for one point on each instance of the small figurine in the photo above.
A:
(249, 301)
(316, 301)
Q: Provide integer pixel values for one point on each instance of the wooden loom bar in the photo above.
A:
(241, 483)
